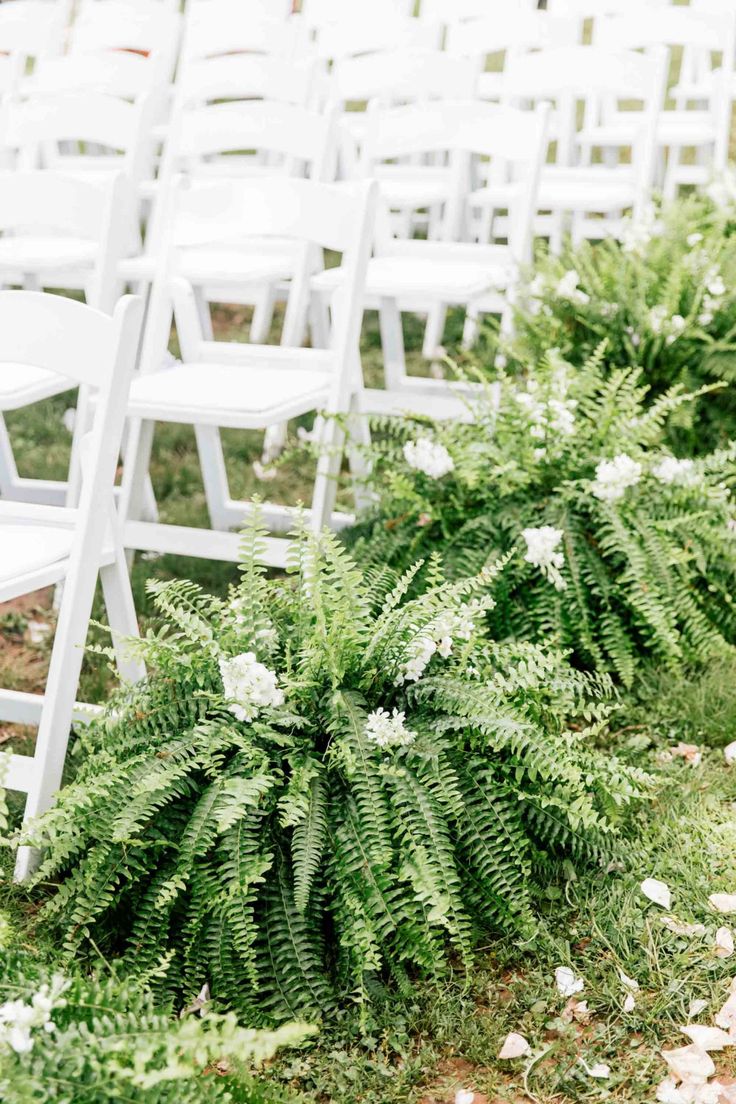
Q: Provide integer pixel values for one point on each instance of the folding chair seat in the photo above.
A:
(429, 276)
(697, 36)
(320, 13)
(44, 545)
(227, 384)
(572, 188)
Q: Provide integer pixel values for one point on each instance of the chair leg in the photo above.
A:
(121, 615)
(392, 343)
(214, 474)
(135, 474)
(56, 715)
(331, 447)
(434, 331)
(8, 469)
(260, 327)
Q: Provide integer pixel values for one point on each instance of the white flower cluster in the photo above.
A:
(568, 288)
(671, 326)
(670, 470)
(614, 477)
(555, 413)
(388, 729)
(249, 685)
(715, 290)
(429, 457)
(439, 638)
(542, 551)
(637, 233)
(18, 1019)
(722, 190)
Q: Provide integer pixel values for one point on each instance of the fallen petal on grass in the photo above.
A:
(657, 892)
(724, 943)
(514, 1046)
(729, 753)
(464, 1096)
(600, 1070)
(682, 927)
(726, 1016)
(723, 902)
(689, 1063)
(567, 984)
(630, 1003)
(708, 1038)
(696, 1007)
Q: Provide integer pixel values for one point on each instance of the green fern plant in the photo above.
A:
(87, 1040)
(325, 785)
(663, 300)
(623, 551)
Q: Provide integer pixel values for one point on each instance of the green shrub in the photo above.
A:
(75, 1040)
(324, 784)
(664, 300)
(624, 551)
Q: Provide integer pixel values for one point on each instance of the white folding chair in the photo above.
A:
(697, 36)
(593, 197)
(54, 229)
(122, 73)
(428, 276)
(241, 386)
(41, 546)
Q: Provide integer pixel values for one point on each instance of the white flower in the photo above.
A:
(673, 471)
(388, 729)
(716, 286)
(249, 686)
(637, 233)
(18, 1019)
(676, 326)
(567, 288)
(722, 190)
(541, 551)
(429, 457)
(657, 319)
(437, 637)
(613, 477)
(536, 287)
(694, 239)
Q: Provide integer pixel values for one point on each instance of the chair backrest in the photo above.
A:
(245, 76)
(520, 29)
(250, 9)
(303, 141)
(456, 11)
(42, 202)
(592, 9)
(314, 216)
(213, 28)
(580, 71)
(113, 72)
(365, 34)
(514, 141)
(37, 126)
(31, 28)
(152, 29)
(318, 13)
(710, 31)
(402, 76)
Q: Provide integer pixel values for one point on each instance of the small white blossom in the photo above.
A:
(613, 477)
(722, 190)
(249, 686)
(676, 327)
(18, 1018)
(388, 729)
(657, 319)
(567, 288)
(694, 239)
(437, 638)
(716, 286)
(541, 551)
(637, 233)
(670, 470)
(429, 457)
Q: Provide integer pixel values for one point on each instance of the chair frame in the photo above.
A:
(97, 352)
